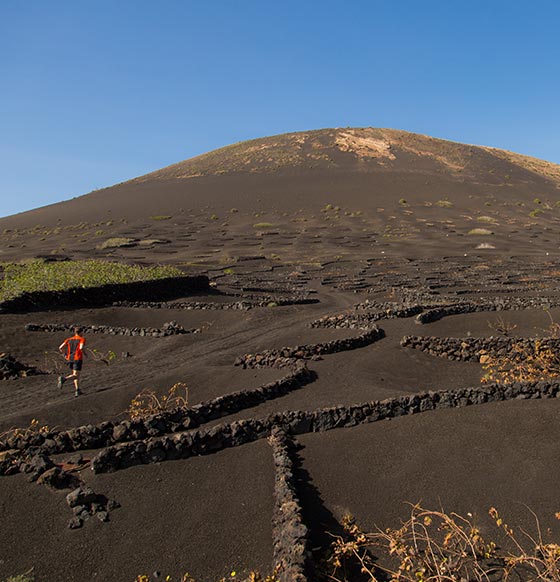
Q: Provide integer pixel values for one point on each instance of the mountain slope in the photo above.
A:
(394, 190)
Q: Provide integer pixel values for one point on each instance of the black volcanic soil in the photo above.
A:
(259, 220)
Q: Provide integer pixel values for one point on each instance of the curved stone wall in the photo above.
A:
(470, 349)
(285, 357)
(362, 319)
(493, 304)
(109, 433)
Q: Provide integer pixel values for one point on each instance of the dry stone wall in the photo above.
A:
(289, 533)
(288, 356)
(471, 349)
(244, 304)
(209, 440)
(488, 304)
(361, 319)
(167, 329)
(109, 433)
(10, 368)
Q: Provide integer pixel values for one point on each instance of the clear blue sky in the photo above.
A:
(94, 92)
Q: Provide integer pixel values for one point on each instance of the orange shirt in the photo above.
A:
(74, 348)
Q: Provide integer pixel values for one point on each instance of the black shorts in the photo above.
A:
(75, 365)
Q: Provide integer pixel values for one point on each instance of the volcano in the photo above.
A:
(386, 190)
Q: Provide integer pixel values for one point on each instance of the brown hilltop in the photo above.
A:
(408, 192)
(359, 149)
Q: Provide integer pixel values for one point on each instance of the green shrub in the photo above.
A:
(535, 213)
(480, 231)
(117, 242)
(161, 217)
(262, 225)
(444, 204)
(21, 578)
(486, 219)
(152, 241)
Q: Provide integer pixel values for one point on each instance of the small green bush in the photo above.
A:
(161, 217)
(444, 204)
(486, 219)
(117, 242)
(26, 577)
(535, 213)
(480, 231)
(262, 225)
(152, 241)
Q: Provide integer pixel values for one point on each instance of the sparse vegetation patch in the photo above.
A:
(62, 275)
(117, 242)
(480, 232)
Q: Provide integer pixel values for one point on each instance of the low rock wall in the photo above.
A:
(110, 433)
(289, 533)
(163, 289)
(288, 356)
(488, 304)
(209, 440)
(471, 349)
(241, 305)
(82, 500)
(361, 319)
(10, 368)
(167, 329)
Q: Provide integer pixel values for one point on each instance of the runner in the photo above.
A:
(74, 353)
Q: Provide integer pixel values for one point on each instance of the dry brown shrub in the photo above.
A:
(433, 546)
(522, 364)
(502, 326)
(253, 577)
(33, 428)
(148, 403)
